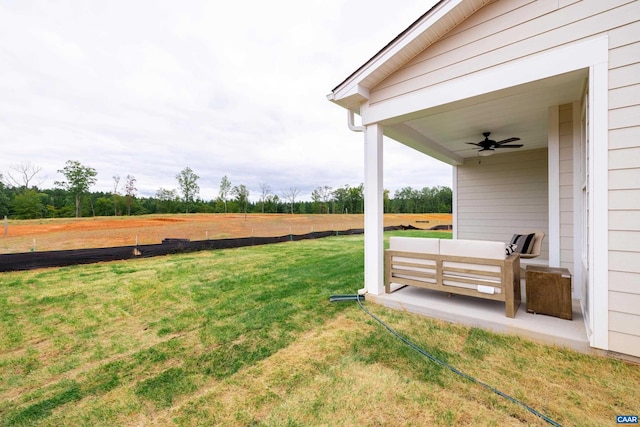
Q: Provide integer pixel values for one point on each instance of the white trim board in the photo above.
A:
(598, 206)
(352, 86)
(570, 57)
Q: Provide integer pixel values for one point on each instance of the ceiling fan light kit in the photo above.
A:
(488, 146)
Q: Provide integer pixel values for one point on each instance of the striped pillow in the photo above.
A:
(523, 243)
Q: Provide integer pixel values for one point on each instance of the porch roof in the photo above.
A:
(426, 30)
(442, 130)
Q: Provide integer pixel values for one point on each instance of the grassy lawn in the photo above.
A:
(248, 337)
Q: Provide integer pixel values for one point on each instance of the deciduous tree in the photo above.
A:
(266, 190)
(4, 199)
(272, 201)
(408, 199)
(116, 182)
(340, 197)
(130, 191)
(167, 200)
(225, 188)
(356, 199)
(188, 183)
(290, 195)
(23, 175)
(242, 196)
(322, 196)
(28, 205)
(78, 180)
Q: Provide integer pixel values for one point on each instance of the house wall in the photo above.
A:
(624, 188)
(502, 31)
(503, 194)
(509, 30)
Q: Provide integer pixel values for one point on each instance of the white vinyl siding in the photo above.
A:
(501, 32)
(503, 194)
(624, 189)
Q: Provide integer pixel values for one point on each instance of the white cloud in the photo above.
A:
(150, 87)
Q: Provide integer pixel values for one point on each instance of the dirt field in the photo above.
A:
(67, 233)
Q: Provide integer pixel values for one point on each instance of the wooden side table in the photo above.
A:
(549, 291)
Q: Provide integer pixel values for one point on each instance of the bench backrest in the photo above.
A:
(473, 248)
(471, 264)
(415, 244)
(464, 273)
(415, 267)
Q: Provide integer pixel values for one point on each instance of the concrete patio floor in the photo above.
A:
(490, 315)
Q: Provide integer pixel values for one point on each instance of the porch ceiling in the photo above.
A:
(520, 111)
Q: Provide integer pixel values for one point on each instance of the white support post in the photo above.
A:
(373, 211)
(554, 186)
(454, 208)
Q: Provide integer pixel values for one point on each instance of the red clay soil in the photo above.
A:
(59, 234)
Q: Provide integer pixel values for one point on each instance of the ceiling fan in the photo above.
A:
(488, 145)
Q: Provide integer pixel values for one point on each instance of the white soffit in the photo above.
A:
(520, 111)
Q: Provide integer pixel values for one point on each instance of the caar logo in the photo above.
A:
(627, 419)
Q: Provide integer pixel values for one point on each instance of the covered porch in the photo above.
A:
(549, 102)
(537, 187)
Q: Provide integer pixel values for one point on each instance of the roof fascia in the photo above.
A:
(352, 92)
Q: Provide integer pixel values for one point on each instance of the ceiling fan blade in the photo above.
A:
(474, 143)
(504, 141)
(509, 146)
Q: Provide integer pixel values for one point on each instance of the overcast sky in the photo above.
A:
(237, 88)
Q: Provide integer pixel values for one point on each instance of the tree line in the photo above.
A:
(21, 198)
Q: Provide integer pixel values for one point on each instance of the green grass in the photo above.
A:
(248, 337)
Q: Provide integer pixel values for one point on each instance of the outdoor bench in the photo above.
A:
(466, 267)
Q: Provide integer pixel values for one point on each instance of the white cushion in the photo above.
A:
(473, 248)
(415, 244)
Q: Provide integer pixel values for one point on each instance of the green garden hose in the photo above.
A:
(359, 298)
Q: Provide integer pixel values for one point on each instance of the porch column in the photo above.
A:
(553, 160)
(373, 211)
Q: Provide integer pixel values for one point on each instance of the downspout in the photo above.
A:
(355, 128)
(350, 121)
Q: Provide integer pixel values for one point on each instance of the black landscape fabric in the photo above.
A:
(33, 260)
